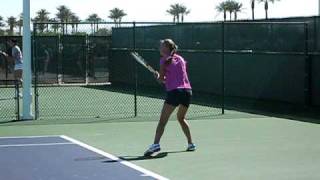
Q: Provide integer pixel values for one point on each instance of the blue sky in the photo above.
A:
(155, 10)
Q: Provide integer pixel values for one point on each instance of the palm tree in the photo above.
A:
(266, 5)
(1, 22)
(64, 15)
(75, 22)
(1, 25)
(230, 4)
(116, 15)
(12, 22)
(253, 2)
(237, 7)
(183, 11)
(175, 12)
(55, 25)
(172, 13)
(20, 23)
(42, 17)
(94, 19)
(222, 7)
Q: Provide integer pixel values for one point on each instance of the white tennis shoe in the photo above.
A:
(191, 147)
(152, 149)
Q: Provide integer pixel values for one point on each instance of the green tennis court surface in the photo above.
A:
(232, 146)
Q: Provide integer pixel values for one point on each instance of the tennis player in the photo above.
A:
(173, 74)
(16, 57)
(46, 59)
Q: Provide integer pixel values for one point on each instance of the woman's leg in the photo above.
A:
(165, 115)
(182, 111)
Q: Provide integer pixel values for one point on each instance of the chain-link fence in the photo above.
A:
(9, 88)
(85, 70)
(72, 73)
(10, 96)
(83, 73)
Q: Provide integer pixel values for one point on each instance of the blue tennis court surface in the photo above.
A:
(63, 158)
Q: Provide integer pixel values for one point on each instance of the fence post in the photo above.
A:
(6, 62)
(308, 66)
(17, 98)
(223, 69)
(86, 51)
(135, 71)
(35, 67)
(59, 62)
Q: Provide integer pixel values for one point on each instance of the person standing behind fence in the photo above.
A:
(46, 59)
(16, 57)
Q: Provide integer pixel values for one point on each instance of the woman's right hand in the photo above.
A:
(156, 75)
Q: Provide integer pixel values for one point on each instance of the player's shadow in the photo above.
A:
(141, 158)
(7, 122)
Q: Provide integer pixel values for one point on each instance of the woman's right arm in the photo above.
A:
(161, 75)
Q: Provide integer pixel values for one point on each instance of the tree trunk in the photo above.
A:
(252, 8)
(230, 15)
(235, 16)
(182, 18)
(115, 22)
(11, 30)
(266, 7)
(224, 15)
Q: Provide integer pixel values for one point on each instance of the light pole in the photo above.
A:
(27, 74)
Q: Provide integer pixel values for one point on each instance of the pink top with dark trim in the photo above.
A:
(176, 76)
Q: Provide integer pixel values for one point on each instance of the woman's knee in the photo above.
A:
(181, 117)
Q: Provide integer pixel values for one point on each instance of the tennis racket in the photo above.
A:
(3, 53)
(143, 62)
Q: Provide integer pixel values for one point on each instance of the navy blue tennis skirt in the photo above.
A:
(178, 97)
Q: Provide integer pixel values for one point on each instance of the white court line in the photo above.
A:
(28, 145)
(28, 137)
(114, 158)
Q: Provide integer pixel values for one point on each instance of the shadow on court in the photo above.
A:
(141, 158)
(8, 121)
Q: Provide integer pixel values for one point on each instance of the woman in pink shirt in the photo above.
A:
(173, 73)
